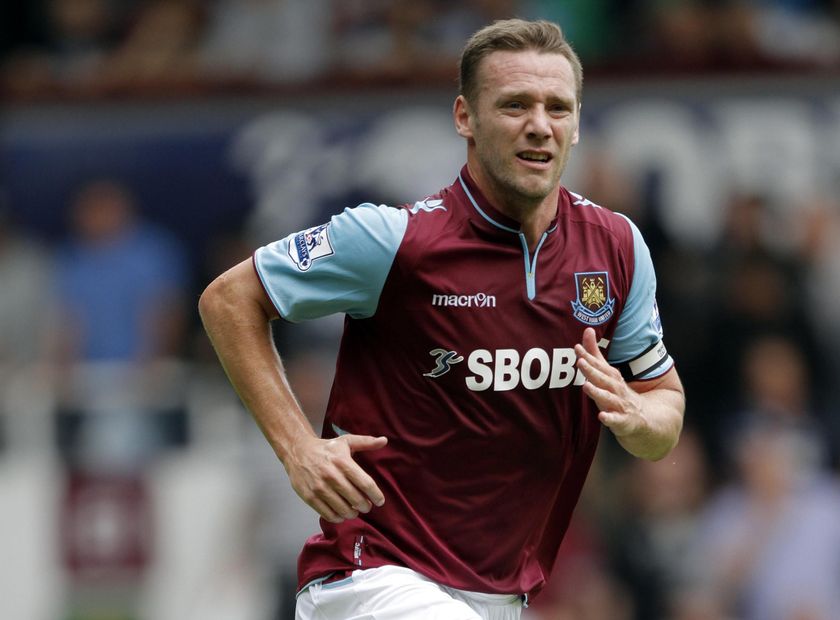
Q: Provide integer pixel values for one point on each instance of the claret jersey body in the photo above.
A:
(458, 347)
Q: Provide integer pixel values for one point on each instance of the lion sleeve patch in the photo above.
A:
(310, 245)
(337, 267)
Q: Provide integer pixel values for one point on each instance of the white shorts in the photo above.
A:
(397, 593)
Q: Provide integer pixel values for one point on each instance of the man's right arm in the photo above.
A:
(236, 312)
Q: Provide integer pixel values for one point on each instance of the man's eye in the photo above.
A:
(515, 105)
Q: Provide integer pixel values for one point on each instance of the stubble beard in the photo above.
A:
(520, 192)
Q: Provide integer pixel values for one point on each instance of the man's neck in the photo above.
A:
(534, 216)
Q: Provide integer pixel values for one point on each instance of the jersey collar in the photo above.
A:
(487, 213)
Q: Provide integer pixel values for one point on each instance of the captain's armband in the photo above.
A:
(653, 362)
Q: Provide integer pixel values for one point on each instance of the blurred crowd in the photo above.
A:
(739, 523)
(101, 333)
(83, 48)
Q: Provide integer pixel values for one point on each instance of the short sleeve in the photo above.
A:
(337, 267)
(637, 348)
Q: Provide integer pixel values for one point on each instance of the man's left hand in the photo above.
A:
(620, 406)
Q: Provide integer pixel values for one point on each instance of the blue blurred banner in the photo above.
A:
(207, 166)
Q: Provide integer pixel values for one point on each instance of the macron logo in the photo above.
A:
(478, 300)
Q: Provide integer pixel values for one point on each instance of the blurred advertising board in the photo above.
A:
(279, 164)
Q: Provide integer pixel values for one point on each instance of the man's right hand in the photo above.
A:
(324, 474)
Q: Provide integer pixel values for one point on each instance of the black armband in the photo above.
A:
(655, 356)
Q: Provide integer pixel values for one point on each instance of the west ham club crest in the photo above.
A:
(593, 304)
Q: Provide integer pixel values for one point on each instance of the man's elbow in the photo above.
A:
(235, 296)
(216, 299)
(207, 302)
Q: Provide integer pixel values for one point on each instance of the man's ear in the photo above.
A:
(462, 114)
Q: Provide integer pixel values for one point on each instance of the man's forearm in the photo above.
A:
(238, 327)
(236, 315)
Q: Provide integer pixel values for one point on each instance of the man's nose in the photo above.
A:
(539, 124)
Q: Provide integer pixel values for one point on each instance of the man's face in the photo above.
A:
(522, 124)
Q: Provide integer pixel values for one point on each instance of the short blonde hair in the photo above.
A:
(515, 35)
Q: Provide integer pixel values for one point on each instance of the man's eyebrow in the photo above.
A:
(515, 94)
(503, 95)
(567, 101)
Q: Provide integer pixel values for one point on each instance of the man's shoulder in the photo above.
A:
(392, 225)
(580, 209)
(443, 201)
(431, 214)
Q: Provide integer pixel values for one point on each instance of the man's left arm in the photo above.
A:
(646, 417)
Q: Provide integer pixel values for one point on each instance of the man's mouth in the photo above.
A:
(534, 156)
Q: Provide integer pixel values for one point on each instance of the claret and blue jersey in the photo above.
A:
(459, 347)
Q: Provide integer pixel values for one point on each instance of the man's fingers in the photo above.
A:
(605, 386)
(596, 373)
(589, 341)
(611, 419)
(364, 443)
(595, 366)
(619, 423)
(338, 502)
(366, 485)
(595, 358)
(334, 484)
(349, 490)
(357, 476)
(336, 499)
(603, 397)
(323, 509)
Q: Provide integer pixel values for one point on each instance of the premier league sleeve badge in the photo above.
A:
(310, 245)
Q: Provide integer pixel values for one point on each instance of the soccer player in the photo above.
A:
(492, 329)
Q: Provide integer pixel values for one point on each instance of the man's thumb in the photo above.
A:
(362, 443)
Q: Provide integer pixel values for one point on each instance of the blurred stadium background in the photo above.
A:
(147, 146)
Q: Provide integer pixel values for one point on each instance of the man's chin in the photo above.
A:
(527, 187)
(537, 189)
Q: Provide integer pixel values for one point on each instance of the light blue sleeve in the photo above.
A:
(337, 267)
(637, 347)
